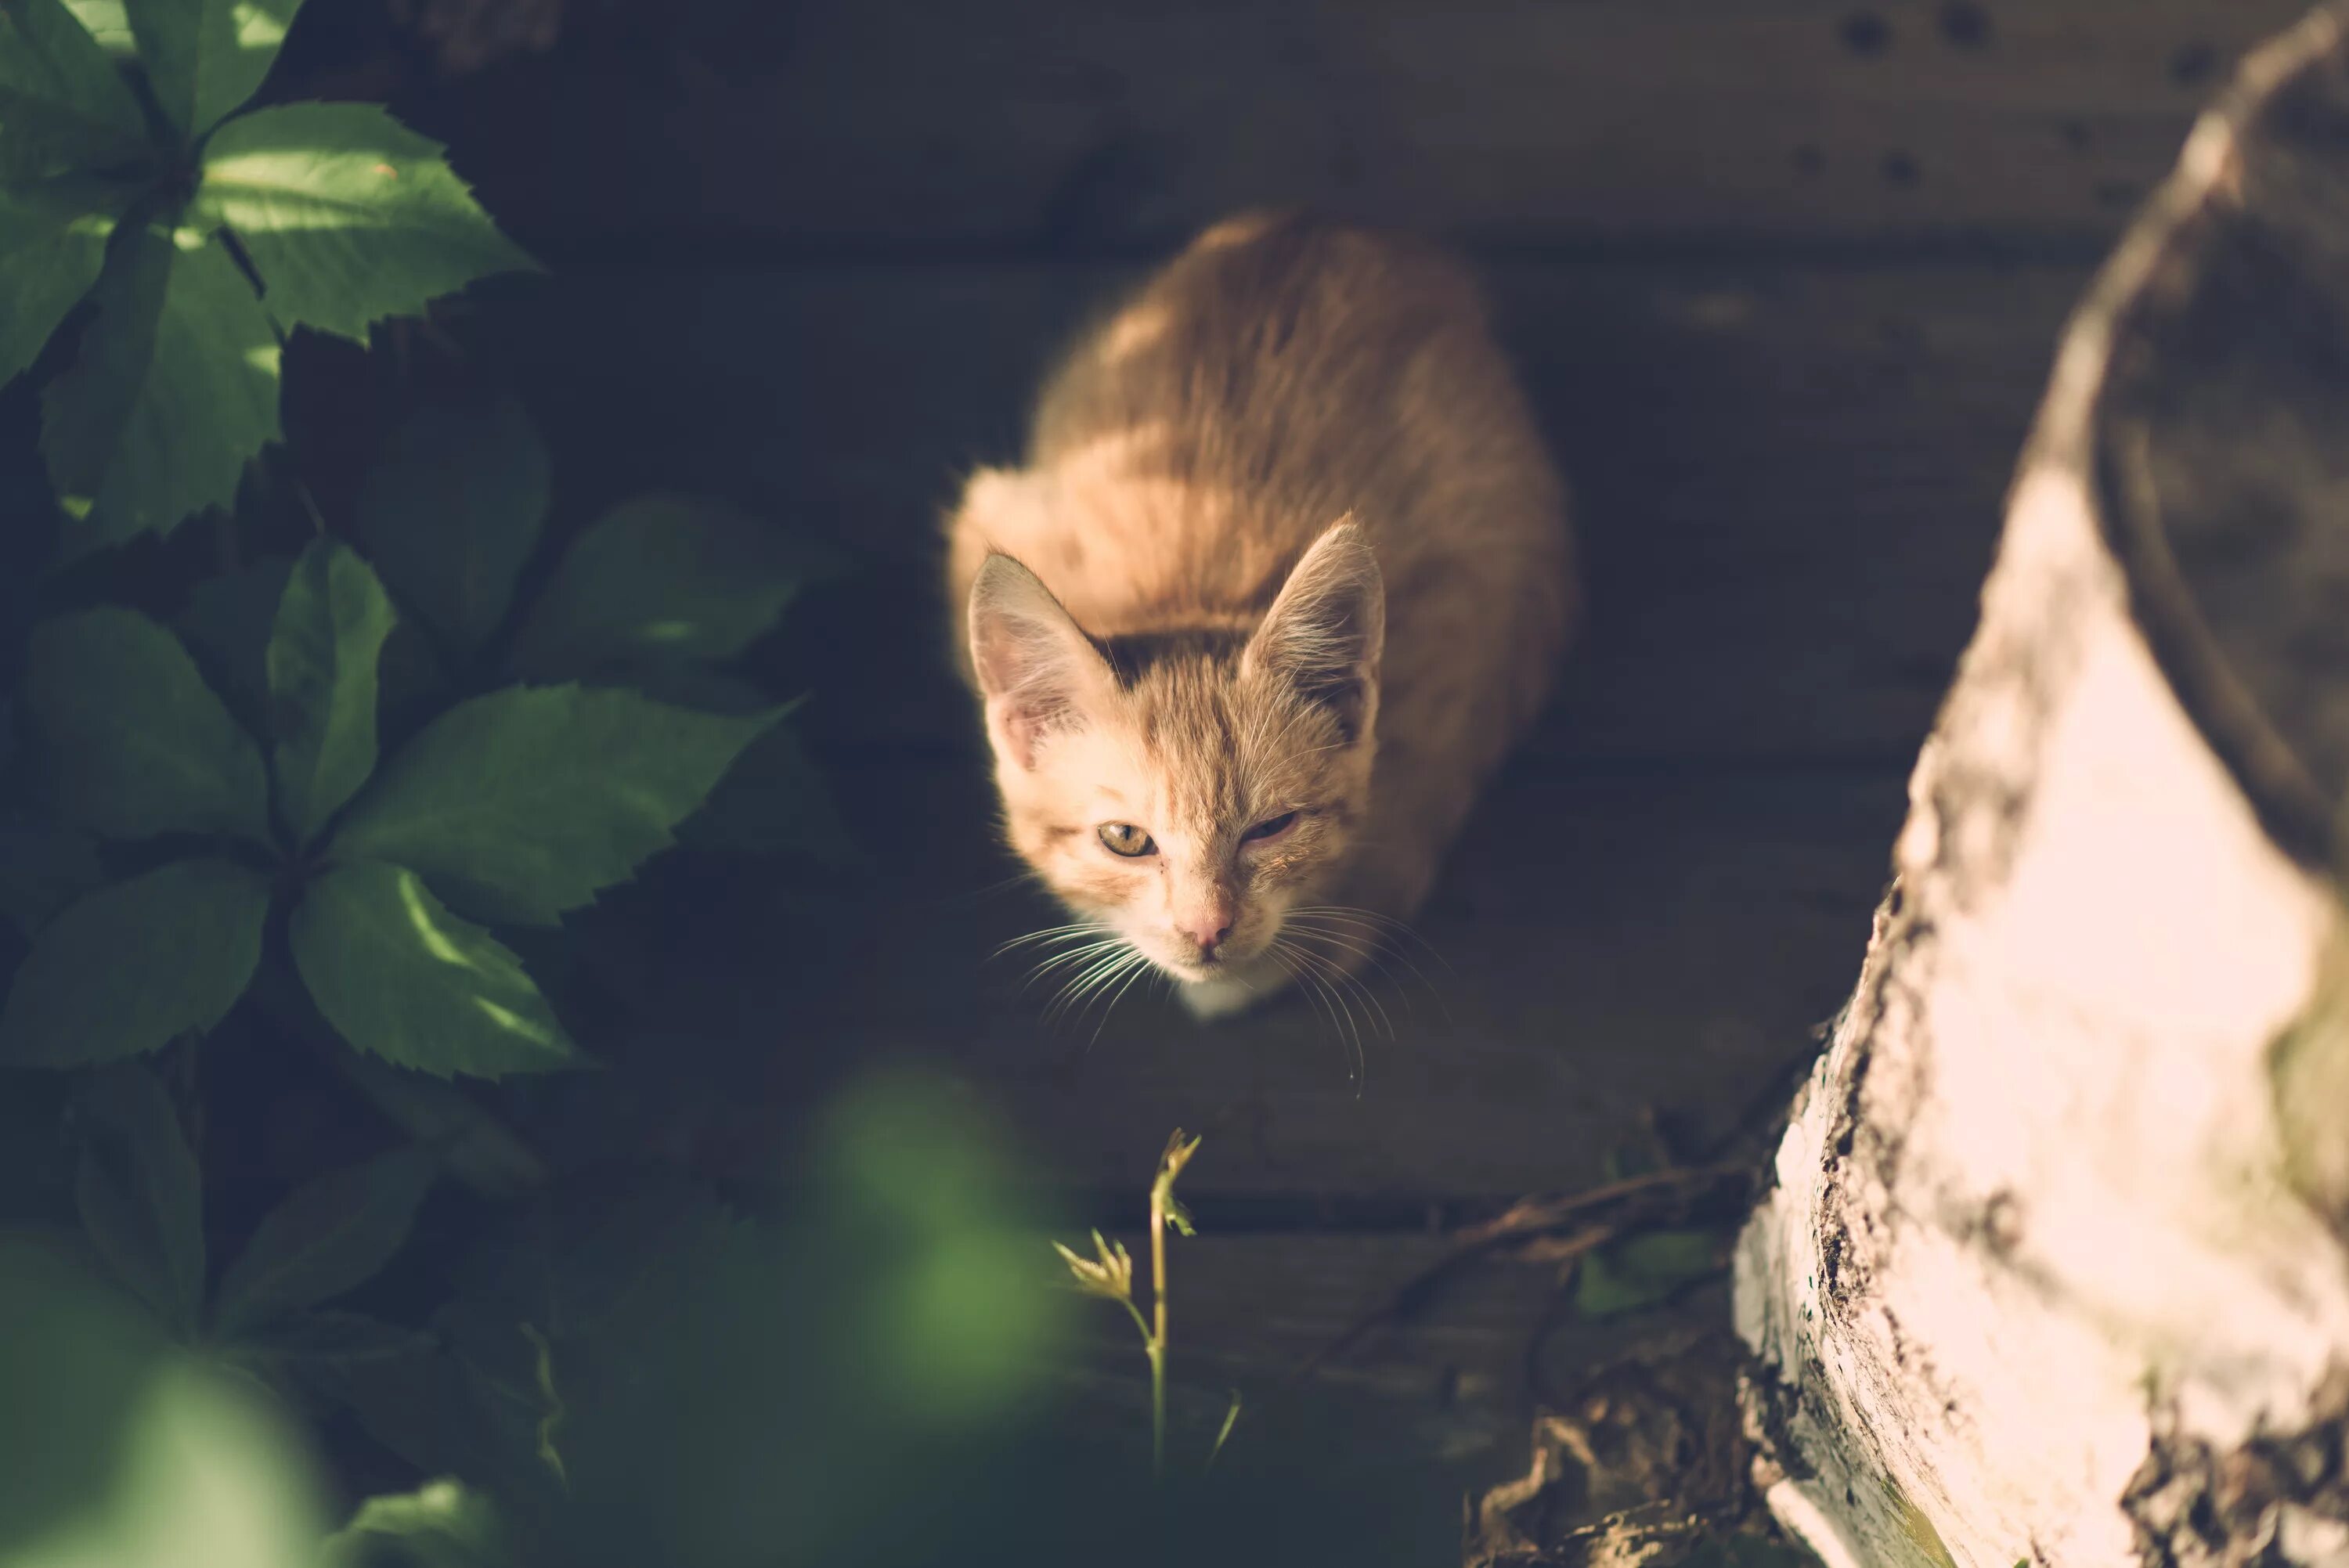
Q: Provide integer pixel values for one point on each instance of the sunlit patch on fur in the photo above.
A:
(1134, 332)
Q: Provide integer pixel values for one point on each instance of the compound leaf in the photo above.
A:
(323, 654)
(52, 243)
(533, 799)
(348, 215)
(657, 577)
(62, 103)
(331, 1235)
(132, 742)
(401, 976)
(174, 388)
(226, 624)
(130, 967)
(141, 1198)
(204, 57)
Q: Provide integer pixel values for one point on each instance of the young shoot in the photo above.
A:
(1109, 1274)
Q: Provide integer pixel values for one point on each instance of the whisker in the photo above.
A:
(1388, 931)
(1373, 918)
(1075, 989)
(1336, 973)
(1051, 933)
(1139, 970)
(1278, 953)
(1376, 951)
(1080, 957)
(1335, 979)
(1342, 1015)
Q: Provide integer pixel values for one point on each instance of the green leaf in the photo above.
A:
(131, 740)
(451, 512)
(108, 23)
(534, 798)
(52, 243)
(441, 1524)
(132, 966)
(226, 624)
(141, 1198)
(323, 656)
(658, 578)
(331, 1236)
(1643, 1271)
(62, 104)
(398, 976)
(174, 388)
(44, 866)
(204, 57)
(349, 216)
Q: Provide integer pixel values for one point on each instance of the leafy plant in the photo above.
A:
(273, 807)
(350, 788)
(518, 804)
(1109, 1274)
(141, 1211)
(199, 237)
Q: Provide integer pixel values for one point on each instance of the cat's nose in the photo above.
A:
(1208, 926)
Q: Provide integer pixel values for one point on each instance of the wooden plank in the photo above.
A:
(1042, 123)
(1606, 945)
(1789, 478)
(1449, 1380)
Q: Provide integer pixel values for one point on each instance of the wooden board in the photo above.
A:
(1250, 1310)
(1042, 123)
(1601, 946)
(1789, 478)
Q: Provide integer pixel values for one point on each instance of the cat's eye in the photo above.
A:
(1125, 838)
(1270, 827)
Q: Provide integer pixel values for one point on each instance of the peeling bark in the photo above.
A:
(2054, 1269)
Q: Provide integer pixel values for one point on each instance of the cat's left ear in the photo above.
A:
(1328, 628)
(1038, 670)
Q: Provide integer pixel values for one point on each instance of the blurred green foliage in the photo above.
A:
(118, 1451)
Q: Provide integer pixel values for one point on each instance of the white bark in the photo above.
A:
(2035, 1282)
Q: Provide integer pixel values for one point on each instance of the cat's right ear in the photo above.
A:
(1036, 669)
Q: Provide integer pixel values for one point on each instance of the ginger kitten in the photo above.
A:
(1283, 578)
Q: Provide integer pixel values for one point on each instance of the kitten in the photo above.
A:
(1283, 576)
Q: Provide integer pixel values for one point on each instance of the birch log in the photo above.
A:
(2054, 1269)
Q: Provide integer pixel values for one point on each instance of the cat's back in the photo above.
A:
(1281, 372)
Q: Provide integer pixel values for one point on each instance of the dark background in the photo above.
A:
(1785, 279)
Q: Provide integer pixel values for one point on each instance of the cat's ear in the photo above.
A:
(1328, 628)
(1036, 669)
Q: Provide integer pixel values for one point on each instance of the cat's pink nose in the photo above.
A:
(1207, 925)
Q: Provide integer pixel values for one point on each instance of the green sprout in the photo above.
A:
(1109, 1274)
